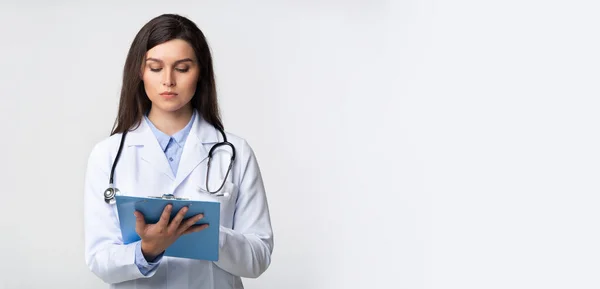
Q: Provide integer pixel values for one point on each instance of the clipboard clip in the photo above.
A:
(168, 197)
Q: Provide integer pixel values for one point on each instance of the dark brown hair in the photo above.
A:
(134, 102)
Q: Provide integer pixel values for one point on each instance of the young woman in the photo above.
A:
(167, 123)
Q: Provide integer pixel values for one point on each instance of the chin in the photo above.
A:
(169, 107)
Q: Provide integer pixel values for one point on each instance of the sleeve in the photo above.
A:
(143, 264)
(105, 254)
(246, 249)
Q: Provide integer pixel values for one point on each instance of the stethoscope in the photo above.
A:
(111, 191)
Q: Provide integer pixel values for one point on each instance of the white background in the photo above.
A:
(404, 144)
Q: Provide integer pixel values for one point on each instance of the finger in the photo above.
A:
(195, 228)
(190, 222)
(177, 220)
(140, 223)
(165, 216)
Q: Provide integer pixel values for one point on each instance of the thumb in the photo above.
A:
(140, 223)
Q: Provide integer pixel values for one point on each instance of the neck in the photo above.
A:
(170, 122)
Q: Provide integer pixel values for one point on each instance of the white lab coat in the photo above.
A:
(246, 237)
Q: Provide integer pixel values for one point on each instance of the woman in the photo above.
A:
(169, 120)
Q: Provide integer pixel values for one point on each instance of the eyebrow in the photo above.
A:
(176, 62)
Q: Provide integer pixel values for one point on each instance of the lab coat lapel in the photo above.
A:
(194, 150)
(151, 152)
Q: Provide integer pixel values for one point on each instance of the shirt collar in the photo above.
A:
(179, 138)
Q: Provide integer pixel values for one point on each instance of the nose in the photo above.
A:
(168, 79)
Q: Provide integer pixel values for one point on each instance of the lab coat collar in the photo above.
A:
(201, 131)
(194, 152)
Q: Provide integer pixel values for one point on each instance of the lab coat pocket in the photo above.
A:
(226, 197)
(228, 203)
(228, 192)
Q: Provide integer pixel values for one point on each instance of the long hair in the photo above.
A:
(134, 101)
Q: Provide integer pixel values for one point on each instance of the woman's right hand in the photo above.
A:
(156, 238)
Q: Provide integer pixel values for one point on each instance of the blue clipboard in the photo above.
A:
(203, 245)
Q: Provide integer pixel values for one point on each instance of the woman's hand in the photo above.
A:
(156, 238)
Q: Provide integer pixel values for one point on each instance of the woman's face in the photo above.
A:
(170, 74)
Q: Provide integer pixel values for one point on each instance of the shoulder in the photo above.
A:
(243, 148)
(235, 138)
(107, 144)
(104, 151)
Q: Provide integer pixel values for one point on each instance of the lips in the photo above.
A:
(168, 95)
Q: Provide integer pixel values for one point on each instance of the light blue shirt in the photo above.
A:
(172, 146)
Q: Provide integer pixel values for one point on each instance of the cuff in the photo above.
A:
(143, 264)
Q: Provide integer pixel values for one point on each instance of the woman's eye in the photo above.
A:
(178, 69)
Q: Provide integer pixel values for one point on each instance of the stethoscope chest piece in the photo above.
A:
(109, 195)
